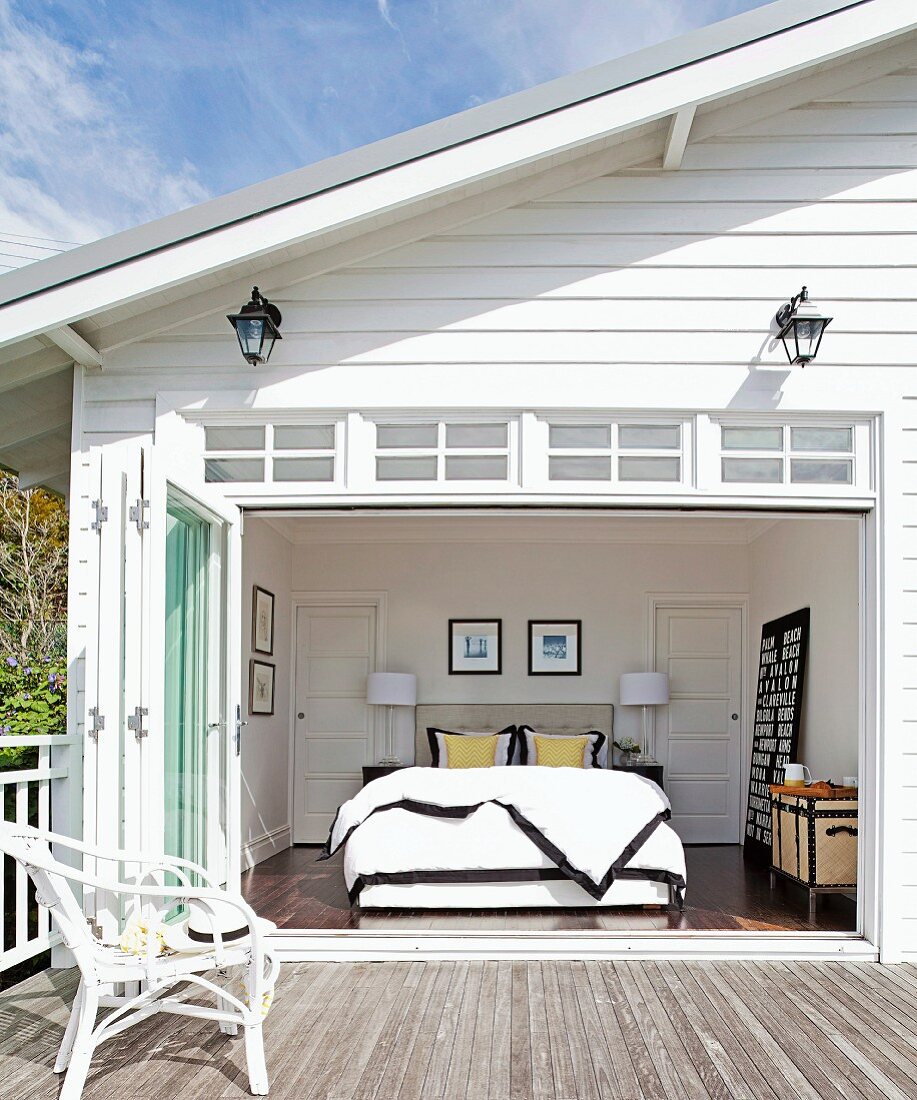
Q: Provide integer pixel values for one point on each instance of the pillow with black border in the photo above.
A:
(597, 746)
(432, 731)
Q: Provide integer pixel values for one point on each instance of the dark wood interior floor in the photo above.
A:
(724, 894)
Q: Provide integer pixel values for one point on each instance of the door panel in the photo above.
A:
(697, 738)
(335, 651)
(193, 645)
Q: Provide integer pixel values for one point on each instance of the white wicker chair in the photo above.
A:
(146, 897)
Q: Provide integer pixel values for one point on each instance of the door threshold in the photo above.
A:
(307, 945)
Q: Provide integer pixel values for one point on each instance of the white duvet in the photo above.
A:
(593, 825)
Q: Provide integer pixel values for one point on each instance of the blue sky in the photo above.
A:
(113, 112)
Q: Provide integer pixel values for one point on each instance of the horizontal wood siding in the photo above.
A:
(672, 278)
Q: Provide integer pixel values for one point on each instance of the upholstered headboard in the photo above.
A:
(545, 717)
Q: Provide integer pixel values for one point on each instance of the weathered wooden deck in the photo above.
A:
(512, 1031)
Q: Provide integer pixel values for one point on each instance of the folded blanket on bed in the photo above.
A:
(588, 822)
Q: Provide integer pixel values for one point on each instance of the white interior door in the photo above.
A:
(699, 734)
(333, 726)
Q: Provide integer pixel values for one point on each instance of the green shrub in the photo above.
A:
(33, 700)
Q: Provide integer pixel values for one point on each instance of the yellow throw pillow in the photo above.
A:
(560, 752)
(470, 752)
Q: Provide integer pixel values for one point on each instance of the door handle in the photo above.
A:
(239, 725)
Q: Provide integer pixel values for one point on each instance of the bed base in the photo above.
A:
(513, 895)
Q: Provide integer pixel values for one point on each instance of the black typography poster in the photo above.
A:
(778, 711)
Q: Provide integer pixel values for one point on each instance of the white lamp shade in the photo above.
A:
(393, 689)
(643, 689)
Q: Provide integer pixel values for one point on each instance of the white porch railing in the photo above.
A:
(25, 926)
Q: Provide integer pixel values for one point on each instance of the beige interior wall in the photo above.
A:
(814, 563)
(266, 560)
(795, 563)
(604, 585)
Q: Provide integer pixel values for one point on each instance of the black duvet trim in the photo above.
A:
(503, 874)
(483, 874)
(595, 890)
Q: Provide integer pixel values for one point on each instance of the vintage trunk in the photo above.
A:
(815, 837)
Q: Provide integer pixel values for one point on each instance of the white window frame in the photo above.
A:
(270, 420)
(860, 457)
(372, 421)
(539, 452)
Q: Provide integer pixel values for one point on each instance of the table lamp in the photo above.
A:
(644, 689)
(391, 689)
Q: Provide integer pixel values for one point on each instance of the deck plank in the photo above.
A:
(830, 1046)
(511, 1031)
(875, 1048)
(561, 1058)
(540, 1037)
(728, 1044)
(478, 1083)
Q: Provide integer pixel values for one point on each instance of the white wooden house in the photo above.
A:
(529, 367)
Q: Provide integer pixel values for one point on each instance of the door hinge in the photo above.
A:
(101, 512)
(137, 514)
(98, 721)
(135, 722)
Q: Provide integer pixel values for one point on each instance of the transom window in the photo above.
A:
(270, 452)
(614, 451)
(443, 451)
(774, 454)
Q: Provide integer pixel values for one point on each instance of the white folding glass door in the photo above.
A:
(195, 680)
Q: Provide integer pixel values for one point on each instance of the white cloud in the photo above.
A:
(386, 14)
(70, 167)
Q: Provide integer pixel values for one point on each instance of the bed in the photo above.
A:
(508, 837)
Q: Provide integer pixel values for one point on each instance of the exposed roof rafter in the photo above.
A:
(30, 479)
(677, 140)
(80, 350)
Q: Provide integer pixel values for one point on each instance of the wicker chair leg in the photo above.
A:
(254, 1056)
(63, 1055)
(83, 1047)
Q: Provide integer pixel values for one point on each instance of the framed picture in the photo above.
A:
(555, 647)
(262, 621)
(475, 647)
(260, 687)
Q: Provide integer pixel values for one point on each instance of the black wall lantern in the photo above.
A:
(257, 325)
(801, 328)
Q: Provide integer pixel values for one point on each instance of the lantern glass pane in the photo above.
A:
(649, 469)
(251, 334)
(574, 468)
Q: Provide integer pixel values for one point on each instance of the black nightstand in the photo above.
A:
(376, 771)
(648, 771)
